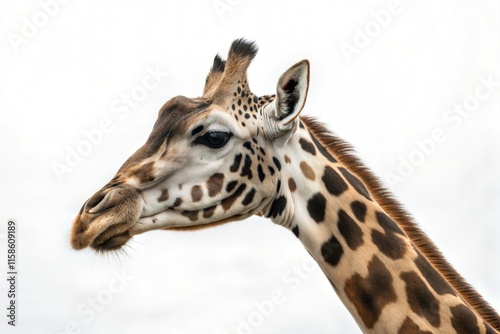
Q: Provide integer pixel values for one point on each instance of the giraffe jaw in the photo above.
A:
(174, 219)
(146, 224)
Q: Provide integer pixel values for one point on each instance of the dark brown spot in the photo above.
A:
(296, 231)
(389, 243)
(435, 280)
(164, 196)
(196, 193)
(421, 299)
(230, 186)
(246, 170)
(316, 206)
(208, 212)
(387, 223)
(334, 183)
(177, 202)
(359, 210)
(332, 251)
(409, 327)
(260, 171)
(192, 215)
(350, 230)
(307, 146)
(371, 294)
(248, 146)
(249, 197)
(355, 183)
(463, 320)
(287, 159)
(277, 207)
(277, 163)
(322, 149)
(236, 163)
(228, 202)
(307, 170)
(214, 184)
(291, 185)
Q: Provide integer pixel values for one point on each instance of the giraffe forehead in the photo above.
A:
(181, 115)
(175, 116)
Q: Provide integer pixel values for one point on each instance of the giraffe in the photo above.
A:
(230, 154)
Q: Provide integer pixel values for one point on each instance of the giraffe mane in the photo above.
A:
(346, 154)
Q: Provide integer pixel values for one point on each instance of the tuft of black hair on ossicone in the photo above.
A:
(243, 48)
(219, 64)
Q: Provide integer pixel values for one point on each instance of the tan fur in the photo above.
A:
(345, 153)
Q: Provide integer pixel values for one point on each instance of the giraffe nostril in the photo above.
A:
(94, 202)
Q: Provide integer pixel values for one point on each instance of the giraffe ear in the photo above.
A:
(291, 94)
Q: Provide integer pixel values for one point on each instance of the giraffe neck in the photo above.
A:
(380, 273)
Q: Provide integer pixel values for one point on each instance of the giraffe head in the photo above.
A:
(208, 160)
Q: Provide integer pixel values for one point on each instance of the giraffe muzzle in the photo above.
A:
(106, 218)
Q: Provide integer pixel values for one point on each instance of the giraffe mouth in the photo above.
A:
(105, 220)
(112, 238)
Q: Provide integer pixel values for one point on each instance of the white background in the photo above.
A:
(64, 77)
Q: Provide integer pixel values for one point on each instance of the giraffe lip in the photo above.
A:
(113, 243)
(112, 238)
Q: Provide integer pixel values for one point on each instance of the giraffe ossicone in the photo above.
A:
(230, 154)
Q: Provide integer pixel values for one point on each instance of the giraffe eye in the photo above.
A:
(214, 139)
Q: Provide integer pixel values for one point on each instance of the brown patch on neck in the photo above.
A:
(307, 171)
(345, 154)
(409, 327)
(371, 294)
